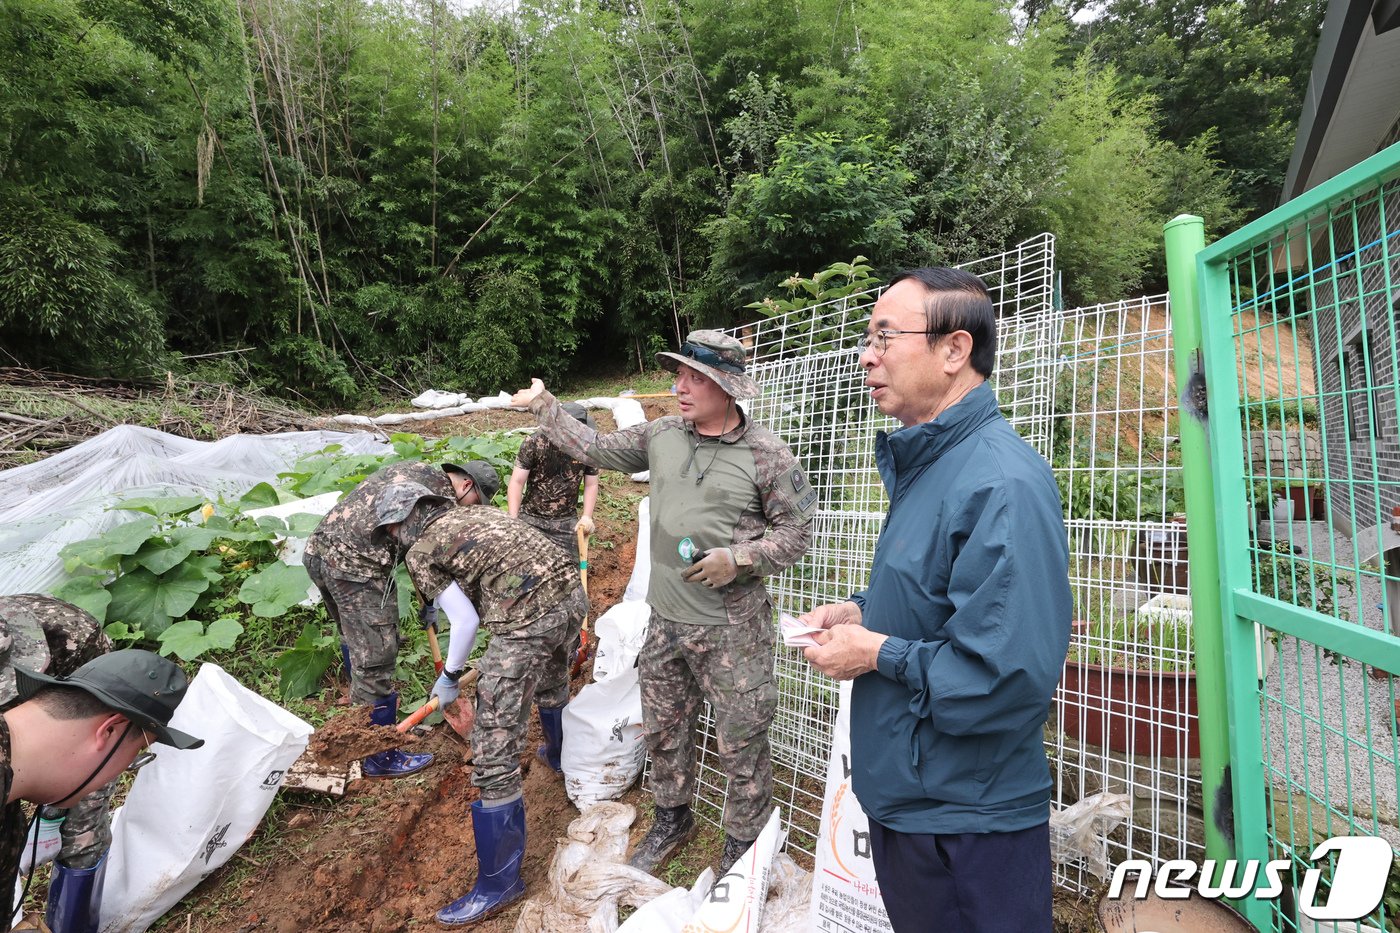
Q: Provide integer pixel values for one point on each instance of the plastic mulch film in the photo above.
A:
(67, 497)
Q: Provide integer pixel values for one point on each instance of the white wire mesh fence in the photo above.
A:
(1124, 719)
(1092, 390)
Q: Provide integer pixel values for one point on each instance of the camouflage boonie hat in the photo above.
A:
(482, 475)
(717, 355)
(143, 685)
(397, 501)
(22, 641)
(579, 413)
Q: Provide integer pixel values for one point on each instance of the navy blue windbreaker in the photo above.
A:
(971, 582)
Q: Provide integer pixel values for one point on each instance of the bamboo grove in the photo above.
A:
(333, 198)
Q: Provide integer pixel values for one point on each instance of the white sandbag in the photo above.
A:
(189, 811)
(670, 912)
(604, 748)
(641, 567)
(737, 900)
(589, 877)
(434, 398)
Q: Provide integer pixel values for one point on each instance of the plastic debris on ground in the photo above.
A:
(1079, 832)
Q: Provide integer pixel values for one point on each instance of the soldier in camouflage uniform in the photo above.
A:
(543, 488)
(729, 506)
(354, 572)
(45, 636)
(527, 593)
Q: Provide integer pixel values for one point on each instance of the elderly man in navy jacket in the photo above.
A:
(957, 642)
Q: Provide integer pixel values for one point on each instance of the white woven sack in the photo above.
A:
(189, 811)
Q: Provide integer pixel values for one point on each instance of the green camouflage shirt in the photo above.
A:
(512, 573)
(743, 490)
(552, 491)
(345, 537)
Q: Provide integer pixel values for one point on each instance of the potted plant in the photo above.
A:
(1128, 686)
(1129, 682)
(1272, 500)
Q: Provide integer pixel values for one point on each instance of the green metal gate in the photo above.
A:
(1299, 314)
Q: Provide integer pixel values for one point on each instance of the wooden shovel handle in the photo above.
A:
(437, 650)
(582, 558)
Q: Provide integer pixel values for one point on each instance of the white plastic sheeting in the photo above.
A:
(625, 411)
(66, 497)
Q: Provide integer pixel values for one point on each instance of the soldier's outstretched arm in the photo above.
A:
(624, 450)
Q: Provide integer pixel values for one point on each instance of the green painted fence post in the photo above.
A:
(1185, 237)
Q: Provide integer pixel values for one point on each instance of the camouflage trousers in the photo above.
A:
(731, 666)
(367, 613)
(561, 532)
(558, 530)
(529, 662)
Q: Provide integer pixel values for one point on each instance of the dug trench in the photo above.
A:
(388, 854)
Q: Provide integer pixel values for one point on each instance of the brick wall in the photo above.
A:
(1356, 323)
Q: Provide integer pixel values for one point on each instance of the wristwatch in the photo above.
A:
(453, 676)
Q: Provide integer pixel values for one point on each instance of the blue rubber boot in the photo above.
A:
(500, 847)
(75, 895)
(345, 658)
(552, 724)
(393, 763)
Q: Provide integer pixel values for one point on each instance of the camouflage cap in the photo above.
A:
(397, 500)
(719, 356)
(579, 413)
(482, 475)
(143, 685)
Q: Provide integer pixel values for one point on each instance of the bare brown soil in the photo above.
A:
(350, 736)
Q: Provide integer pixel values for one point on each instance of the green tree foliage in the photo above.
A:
(1238, 67)
(347, 196)
(823, 196)
(1108, 184)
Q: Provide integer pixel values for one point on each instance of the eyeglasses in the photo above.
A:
(143, 759)
(879, 341)
(709, 357)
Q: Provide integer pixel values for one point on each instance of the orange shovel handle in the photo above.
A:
(418, 715)
(426, 710)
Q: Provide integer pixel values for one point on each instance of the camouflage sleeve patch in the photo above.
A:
(788, 505)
